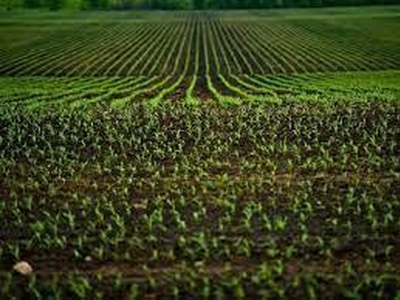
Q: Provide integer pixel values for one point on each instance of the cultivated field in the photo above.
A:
(201, 155)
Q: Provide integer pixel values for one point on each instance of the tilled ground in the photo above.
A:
(250, 201)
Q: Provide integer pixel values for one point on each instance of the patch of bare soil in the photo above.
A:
(201, 90)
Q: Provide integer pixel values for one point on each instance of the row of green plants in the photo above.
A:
(264, 282)
(175, 200)
(43, 92)
(152, 47)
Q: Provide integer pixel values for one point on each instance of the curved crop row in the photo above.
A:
(150, 48)
(198, 55)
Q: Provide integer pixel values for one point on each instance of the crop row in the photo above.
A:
(198, 44)
(256, 201)
(44, 92)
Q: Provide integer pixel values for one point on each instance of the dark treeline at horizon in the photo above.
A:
(182, 4)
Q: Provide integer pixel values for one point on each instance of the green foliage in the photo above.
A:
(225, 45)
(189, 4)
(11, 4)
(211, 199)
(226, 155)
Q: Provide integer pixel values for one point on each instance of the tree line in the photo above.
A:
(182, 4)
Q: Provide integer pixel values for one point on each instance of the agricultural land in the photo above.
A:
(200, 154)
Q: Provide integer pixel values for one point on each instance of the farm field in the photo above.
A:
(200, 155)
